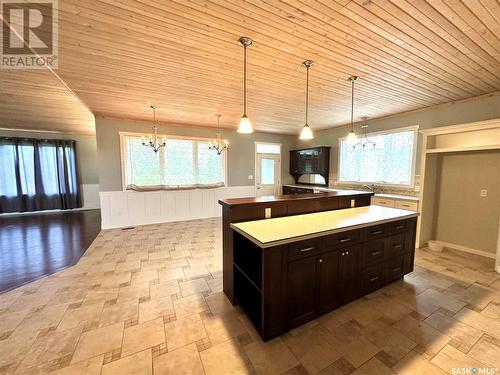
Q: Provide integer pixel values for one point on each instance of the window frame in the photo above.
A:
(122, 136)
(411, 185)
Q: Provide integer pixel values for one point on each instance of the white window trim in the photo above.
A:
(411, 185)
(122, 136)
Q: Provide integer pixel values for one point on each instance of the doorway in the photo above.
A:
(267, 169)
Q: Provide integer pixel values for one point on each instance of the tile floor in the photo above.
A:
(148, 300)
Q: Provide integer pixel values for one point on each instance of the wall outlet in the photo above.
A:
(483, 193)
(250, 176)
(267, 212)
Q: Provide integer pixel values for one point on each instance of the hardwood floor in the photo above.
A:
(32, 246)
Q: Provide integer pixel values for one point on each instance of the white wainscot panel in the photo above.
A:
(129, 208)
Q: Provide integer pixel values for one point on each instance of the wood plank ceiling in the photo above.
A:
(120, 56)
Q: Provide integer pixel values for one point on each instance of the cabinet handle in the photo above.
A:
(400, 227)
(320, 260)
(342, 240)
(377, 232)
(396, 269)
(346, 253)
(343, 254)
(374, 278)
(375, 253)
(306, 249)
(398, 246)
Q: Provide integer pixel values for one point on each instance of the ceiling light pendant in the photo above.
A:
(351, 136)
(306, 132)
(220, 145)
(364, 142)
(153, 141)
(245, 124)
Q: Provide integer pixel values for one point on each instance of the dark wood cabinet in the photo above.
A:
(290, 190)
(314, 160)
(302, 290)
(330, 281)
(247, 209)
(302, 280)
(349, 263)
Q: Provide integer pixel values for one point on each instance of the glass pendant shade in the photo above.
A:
(306, 132)
(245, 126)
(351, 138)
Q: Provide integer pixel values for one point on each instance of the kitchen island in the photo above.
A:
(254, 208)
(290, 270)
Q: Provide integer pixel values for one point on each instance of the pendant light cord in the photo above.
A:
(352, 104)
(245, 80)
(307, 93)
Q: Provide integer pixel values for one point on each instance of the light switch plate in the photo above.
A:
(483, 193)
(250, 176)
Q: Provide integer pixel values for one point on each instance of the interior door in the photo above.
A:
(267, 174)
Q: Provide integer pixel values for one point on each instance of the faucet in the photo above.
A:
(370, 187)
(373, 188)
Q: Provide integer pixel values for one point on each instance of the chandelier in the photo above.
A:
(219, 144)
(364, 141)
(153, 141)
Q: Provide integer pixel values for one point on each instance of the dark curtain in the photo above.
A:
(38, 174)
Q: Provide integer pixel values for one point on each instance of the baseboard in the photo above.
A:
(467, 249)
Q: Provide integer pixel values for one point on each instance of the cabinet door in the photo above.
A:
(294, 159)
(302, 290)
(329, 287)
(349, 266)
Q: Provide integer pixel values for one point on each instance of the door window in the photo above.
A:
(267, 171)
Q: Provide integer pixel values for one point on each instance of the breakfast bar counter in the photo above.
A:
(290, 270)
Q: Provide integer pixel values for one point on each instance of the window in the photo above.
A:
(38, 174)
(267, 148)
(181, 163)
(391, 161)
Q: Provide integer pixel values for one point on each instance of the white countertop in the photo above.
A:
(283, 230)
(399, 197)
(381, 195)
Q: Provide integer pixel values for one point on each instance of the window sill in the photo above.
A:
(173, 187)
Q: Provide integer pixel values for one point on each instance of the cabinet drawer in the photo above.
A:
(304, 249)
(393, 269)
(396, 245)
(376, 231)
(373, 252)
(407, 205)
(384, 202)
(397, 226)
(372, 278)
(339, 240)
